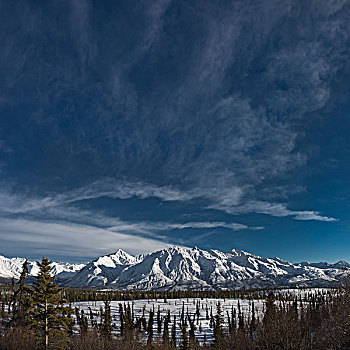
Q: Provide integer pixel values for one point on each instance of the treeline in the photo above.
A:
(74, 295)
(43, 316)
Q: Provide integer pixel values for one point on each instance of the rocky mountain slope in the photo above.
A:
(179, 267)
(104, 270)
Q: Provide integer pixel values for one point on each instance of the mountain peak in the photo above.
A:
(342, 263)
(120, 257)
(187, 268)
(12, 267)
(120, 252)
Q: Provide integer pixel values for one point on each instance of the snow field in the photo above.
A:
(175, 307)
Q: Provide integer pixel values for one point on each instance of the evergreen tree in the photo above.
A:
(173, 333)
(143, 318)
(193, 340)
(165, 336)
(129, 321)
(198, 311)
(270, 312)
(252, 327)
(184, 335)
(83, 323)
(159, 320)
(21, 301)
(106, 324)
(218, 332)
(121, 318)
(150, 327)
(48, 316)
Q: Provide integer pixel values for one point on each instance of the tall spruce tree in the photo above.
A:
(183, 327)
(165, 336)
(106, 320)
(173, 333)
(22, 300)
(150, 327)
(48, 316)
(218, 330)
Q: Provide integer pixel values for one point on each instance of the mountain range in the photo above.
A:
(12, 268)
(186, 268)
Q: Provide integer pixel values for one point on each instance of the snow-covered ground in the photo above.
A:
(175, 307)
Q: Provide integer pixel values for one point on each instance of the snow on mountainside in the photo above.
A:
(185, 268)
(103, 270)
(178, 267)
(12, 267)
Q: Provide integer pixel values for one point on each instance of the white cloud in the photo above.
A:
(273, 209)
(52, 225)
(231, 201)
(229, 123)
(149, 228)
(69, 240)
(313, 215)
(72, 240)
(20, 203)
(206, 224)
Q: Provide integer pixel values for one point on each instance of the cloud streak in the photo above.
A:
(56, 226)
(109, 188)
(69, 240)
(229, 202)
(273, 209)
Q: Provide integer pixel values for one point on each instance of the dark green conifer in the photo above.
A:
(173, 333)
(218, 331)
(166, 332)
(48, 316)
(184, 335)
(21, 301)
(159, 320)
(193, 340)
(150, 327)
(106, 324)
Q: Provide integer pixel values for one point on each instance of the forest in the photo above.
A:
(42, 316)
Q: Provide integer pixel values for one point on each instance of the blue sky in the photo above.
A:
(139, 125)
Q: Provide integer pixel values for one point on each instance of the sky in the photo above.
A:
(145, 124)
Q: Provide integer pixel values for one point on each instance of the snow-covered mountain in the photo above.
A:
(178, 267)
(185, 268)
(12, 267)
(104, 270)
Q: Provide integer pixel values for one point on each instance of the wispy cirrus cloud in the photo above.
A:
(69, 240)
(273, 209)
(110, 188)
(203, 103)
(312, 215)
(210, 224)
(230, 201)
(154, 229)
(58, 226)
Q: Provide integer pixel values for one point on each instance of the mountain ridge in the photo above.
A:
(186, 268)
(194, 268)
(12, 268)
